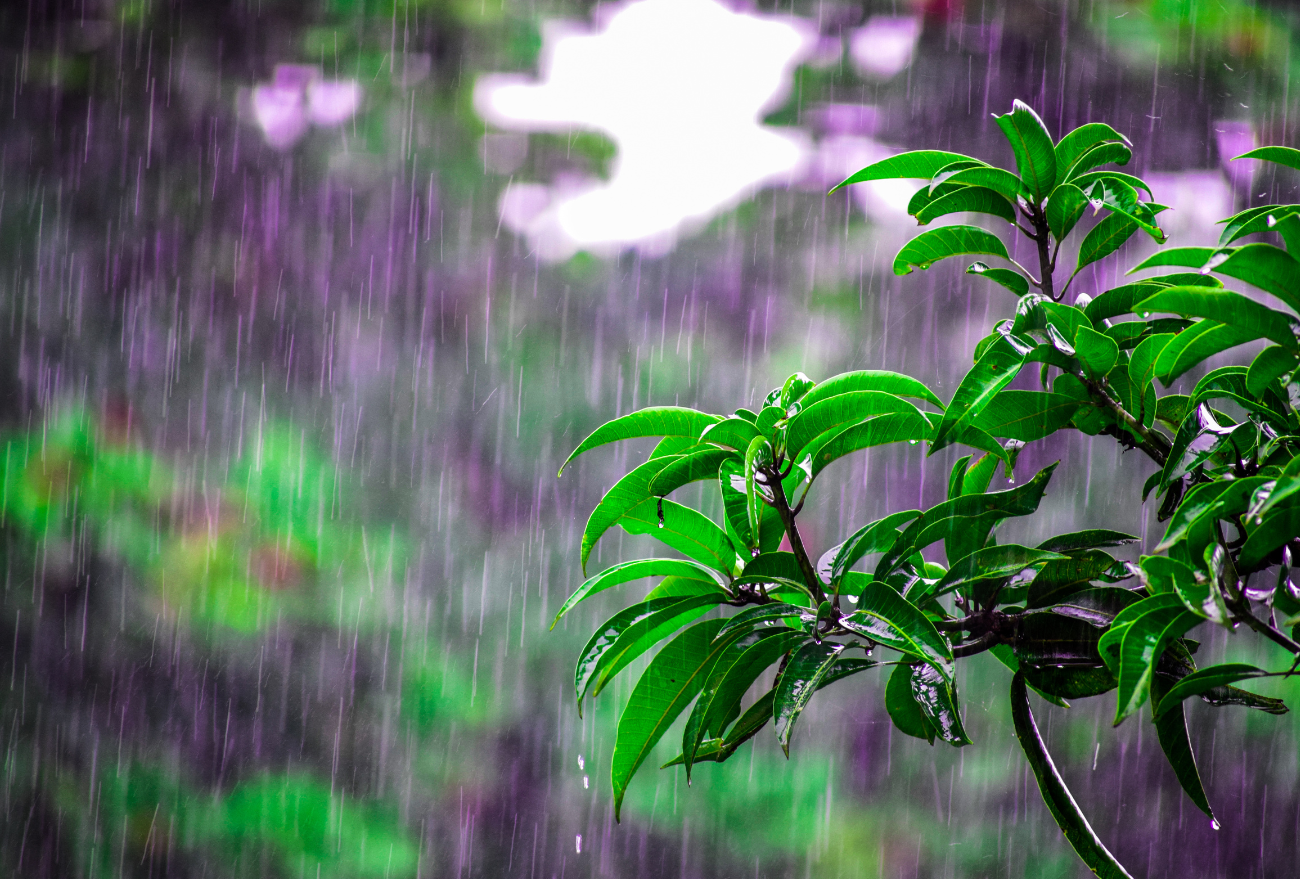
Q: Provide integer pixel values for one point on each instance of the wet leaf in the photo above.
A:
(685, 530)
(1104, 239)
(1141, 646)
(1026, 415)
(1035, 155)
(1095, 351)
(828, 447)
(1056, 795)
(917, 164)
(1078, 142)
(1265, 266)
(1225, 306)
(989, 563)
(803, 674)
(1092, 538)
(871, 380)
(977, 199)
(1268, 366)
(688, 468)
(887, 618)
(937, 696)
(636, 570)
(735, 432)
(996, 367)
(657, 421)
(1280, 526)
(1195, 344)
(1003, 185)
(1064, 209)
(1203, 681)
(1280, 155)
(873, 537)
(839, 412)
(1171, 729)
(935, 244)
(1009, 278)
(903, 709)
(768, 613)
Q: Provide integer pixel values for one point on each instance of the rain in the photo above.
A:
(303, 306)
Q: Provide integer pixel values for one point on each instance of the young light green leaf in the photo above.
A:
(935, 244)
(685, 530)
(996, 367)
(902, 706)
(937, 696)
(1095, 351)
(803, 675)
(734, 432)
(918, 164)
(629, 571)
(1035, 155)
(870, 380)
(1226, 307)
(888, 618)
(1065, 208)
(1171, 729)
(1203, 681)
(973, 199)
(834, 414)
(1055, 794)
(834, 444)
(674, 677)
(657, 421)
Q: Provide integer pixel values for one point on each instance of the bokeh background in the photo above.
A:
(298, 319)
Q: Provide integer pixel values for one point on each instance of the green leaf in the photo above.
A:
(871, 380)
(1118, 197)
(1071, 682)
(1095, 351)
(719, 704)
(1059, 580)
(996, 367)
(1119, 301)
(834, 414)
(935, 244)
(888, 618)
(834, 444)
(623, 632)
(1026, 415)
(807, 668)
(1208, 502)
(1101, 154)
(1001, 183)
(1254, 220)
(1191, 257)
(989, 563)
(1065, 208)
(1195, 344)
(977, 199)
(734, 431)
(1084, 181)
(1280, 527)
(735, 504)
(768, 613)
(674, 677)
(904, 710)
(632, 489)
(1056, 795)
(937, 696)
(1171, 729)
(1035, 155)
(757, 456)
(1104, 239)
(1278, 154)
(875, 536)
(1080, 141)
(774, 568)
(1268, 366)
(628, 571)
(685, 530)
(1061, 637)
(658, 421)
(1091, 538)
(918, 164)
(1141, 647)
(687, 468)
(1265, 266)
(1203, 681)
(1225, 307)
(977, 512)
(1287, 484)
(1009, 278)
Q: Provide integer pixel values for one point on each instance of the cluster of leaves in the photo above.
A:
(1068, 617)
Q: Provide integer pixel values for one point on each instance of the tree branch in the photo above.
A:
(796, 542)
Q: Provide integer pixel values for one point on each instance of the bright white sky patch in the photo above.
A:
(681, 87)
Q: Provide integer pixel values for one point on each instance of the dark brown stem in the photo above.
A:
(1042, 239)
(796, 542)
(979, 645)
(1155, 446)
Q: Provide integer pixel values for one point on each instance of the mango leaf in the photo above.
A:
(657, 421)
(1285, 486)
(1101, 154)
(887, 618)
(1119, 197)
(735, 505)
(1119, 300)
(1280, 527)
(1072, 682)
(904, 710)
(1032, 145)
(1268, 366)
(973, 511)
(1208, 502)
(1056, 795)
(1080, 141)
(1255, 220)
(1001, 183)
(937, 697)
(1203, 681)
(768, 613)
(996, 367)
(1086, 180)
(632, 489)
(757, 456)
(936, 244)
(1279, 154)
(674, 677)
(1224, 306)
(628, 571)
(1195, 344)
(1095, 351)
(1091, 538)
(870, 380)
(977, 199)
(1026, 415)
(687, 468)
(834, 414)
(685, 530)
(803, 674)
(1009, 278)
(1058, 580)
(875, 536)
(1141, 646)
(989, 563)
(609, 641)
(719, 704)
(834, 444)
(734, 431)
(1104, 239)
(1267, 267)
(1171, 729)
(1054, 639)
(1191, 257)
(779, 568)
(1064, 209)
(1220, 696)
(918, 164)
